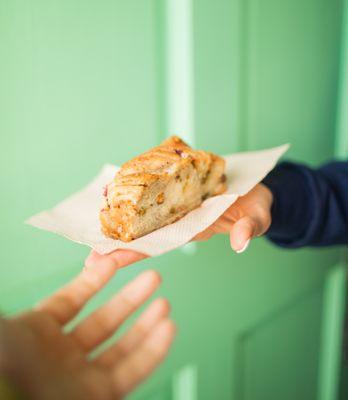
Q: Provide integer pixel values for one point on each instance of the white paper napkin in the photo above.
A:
(77, 219)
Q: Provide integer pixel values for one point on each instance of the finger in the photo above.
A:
(204, 235)
(68, 301)
(208, 232)
(117, 259)
(157, 311)
(144, 359)
(103, 322)
(221, 225)
(242, 231)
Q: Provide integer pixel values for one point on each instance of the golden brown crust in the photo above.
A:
(158, 187)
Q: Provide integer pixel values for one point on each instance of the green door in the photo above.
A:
(87, 82)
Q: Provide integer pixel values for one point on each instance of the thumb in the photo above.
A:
(242, 231)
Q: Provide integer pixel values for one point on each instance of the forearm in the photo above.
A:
(310, 207)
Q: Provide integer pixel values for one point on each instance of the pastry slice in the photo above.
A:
(159, 187)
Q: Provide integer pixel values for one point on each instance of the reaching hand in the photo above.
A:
(48, 364)
(248, 217)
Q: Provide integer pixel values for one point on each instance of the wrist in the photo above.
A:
(267, 195)
(288, 183)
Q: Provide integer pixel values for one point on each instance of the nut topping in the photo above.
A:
(160, 198)
(178, 152)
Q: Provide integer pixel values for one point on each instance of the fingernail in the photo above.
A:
(244, 247)
(93, 260)
(96, 261)
(89, 262)
(102, 268)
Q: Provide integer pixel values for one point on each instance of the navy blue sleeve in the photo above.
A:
(310, 206)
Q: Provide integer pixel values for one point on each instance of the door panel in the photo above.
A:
(284, 58)
(86, 84)
(79, 79)
(278, 341)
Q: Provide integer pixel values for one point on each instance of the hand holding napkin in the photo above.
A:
(76, 217)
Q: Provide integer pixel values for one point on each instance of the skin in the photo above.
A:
(247, 218)
(45, 361)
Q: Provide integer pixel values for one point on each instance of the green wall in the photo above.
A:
(84, 83)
